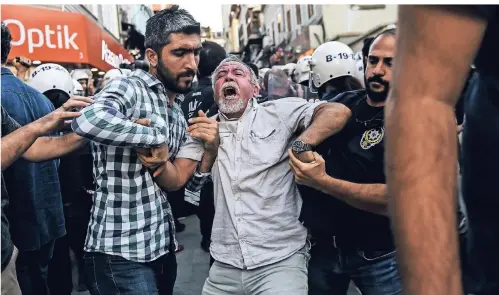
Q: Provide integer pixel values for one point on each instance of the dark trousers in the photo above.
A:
(110, 275)
(60, 277)
(32, 270)
(206, 210)
(330, 271)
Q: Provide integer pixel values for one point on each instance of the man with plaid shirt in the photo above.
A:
(130, 242)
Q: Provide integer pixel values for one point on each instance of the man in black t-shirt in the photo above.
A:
(202, 99)
(438, 44)
(347, 212)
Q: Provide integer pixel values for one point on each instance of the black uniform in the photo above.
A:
(202, 98)
(355, 154)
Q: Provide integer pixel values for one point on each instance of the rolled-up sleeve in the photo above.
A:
(295, 112)
(191, 149)
(106, 120)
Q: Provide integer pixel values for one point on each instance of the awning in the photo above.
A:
(61, 37)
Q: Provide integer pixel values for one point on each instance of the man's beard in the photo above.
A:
(377, 96)
(231, 106)
(171, 82)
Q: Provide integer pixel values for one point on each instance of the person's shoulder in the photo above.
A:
(284, 101)
(349, 98)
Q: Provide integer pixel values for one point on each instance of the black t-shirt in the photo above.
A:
(201, 98)
(355, 154)
(8, 125)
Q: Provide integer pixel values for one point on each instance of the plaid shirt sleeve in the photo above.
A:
(106, 120)
(197, 181)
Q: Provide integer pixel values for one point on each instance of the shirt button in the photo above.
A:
(239, 139)
(239, 220)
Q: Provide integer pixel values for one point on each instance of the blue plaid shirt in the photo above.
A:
(130, 216)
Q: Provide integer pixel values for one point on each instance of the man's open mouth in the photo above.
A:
(229, 92)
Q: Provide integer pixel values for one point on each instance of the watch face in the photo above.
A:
(298, 146)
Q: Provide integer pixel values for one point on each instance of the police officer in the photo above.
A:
(202, 98)
(76, 180)
(346, 210)
(333, 68)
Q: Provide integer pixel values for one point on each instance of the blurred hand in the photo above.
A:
(205, 129)
(22, 65)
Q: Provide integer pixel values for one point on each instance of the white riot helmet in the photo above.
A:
(329, 61)
(51, 77)
(77, 88)
(262, 72)
(80, 74)
(359, 72)
(289, 68)
(303, 69)
(114, 73)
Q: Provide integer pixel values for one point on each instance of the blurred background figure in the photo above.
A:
(78, 89)
(83, 77)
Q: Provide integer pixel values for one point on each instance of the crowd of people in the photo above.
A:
(295, 186)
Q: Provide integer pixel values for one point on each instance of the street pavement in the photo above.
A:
(193, 262)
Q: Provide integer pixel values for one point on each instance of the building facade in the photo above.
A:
(293, 31)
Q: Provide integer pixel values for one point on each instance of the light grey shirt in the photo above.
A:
(257, 203)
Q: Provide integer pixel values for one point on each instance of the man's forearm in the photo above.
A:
(48, 148)
(420, 141)
(207, 162)
(328, 119)
(176, 174)
(104, 124)
(367, 197)
(16, 143)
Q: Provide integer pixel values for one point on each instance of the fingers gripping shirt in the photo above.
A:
(130, 216)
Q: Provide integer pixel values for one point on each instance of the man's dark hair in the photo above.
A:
(343, 84)
(168, 21)
(391, 32)
(365, 50)
(253, 67)
(210, 57)
(6, 38)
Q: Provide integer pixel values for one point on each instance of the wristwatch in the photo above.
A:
(299, 147)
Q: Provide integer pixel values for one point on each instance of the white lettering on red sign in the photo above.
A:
(37, 38)
(111, 58)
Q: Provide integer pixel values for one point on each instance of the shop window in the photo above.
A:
(311, 11)
(298, 14)
(279, 22)
(288, 20)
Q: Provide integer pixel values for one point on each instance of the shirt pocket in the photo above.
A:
(263, 146)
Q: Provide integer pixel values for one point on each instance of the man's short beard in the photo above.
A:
(230, 107)
(170, 81)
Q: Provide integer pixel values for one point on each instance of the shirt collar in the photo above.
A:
(252, 104)
(6, 71)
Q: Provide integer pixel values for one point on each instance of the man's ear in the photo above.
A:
(152, 57)
(256, 90)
